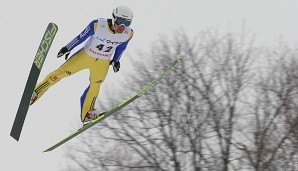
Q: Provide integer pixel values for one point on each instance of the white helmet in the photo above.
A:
(124, 14)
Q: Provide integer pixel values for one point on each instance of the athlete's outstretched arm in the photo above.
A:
(120, 49)
(87, 32)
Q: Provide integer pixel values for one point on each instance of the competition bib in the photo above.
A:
(103, 43)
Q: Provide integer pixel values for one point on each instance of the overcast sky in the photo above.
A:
(56, 114)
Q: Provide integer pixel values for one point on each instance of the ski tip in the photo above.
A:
(179, 60)
(15, 135)
(46, 151)
(53, 26)
(52, 23)
(16, 138)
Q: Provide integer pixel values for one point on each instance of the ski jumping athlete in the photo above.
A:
(107, 41)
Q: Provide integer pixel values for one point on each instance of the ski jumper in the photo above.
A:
(102, 46)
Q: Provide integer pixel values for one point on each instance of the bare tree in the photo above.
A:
(231, 64)
(274, 115)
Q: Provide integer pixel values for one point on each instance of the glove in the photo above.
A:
(63, 51)
(116, 66)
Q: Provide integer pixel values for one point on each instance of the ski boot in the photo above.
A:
(90, 116)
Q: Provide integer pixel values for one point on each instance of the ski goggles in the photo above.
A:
(121, 21)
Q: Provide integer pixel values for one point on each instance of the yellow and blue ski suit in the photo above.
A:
(102, 46)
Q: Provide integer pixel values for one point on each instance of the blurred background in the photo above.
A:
(231, 105)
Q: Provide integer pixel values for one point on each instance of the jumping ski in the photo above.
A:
(119, 106)
(39, 59)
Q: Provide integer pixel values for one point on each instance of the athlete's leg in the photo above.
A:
(98, 73)
(76, 63)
